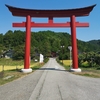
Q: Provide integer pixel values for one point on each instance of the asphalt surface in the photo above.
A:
(51, 82)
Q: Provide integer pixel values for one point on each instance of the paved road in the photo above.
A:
(51, 82)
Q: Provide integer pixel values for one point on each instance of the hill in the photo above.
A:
(45, 42)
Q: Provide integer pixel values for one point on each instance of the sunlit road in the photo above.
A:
(52, 82)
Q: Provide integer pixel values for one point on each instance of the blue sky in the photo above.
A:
(85, 34)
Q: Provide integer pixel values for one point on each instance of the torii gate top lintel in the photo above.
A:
(50, 13)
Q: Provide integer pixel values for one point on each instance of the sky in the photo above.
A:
(84, 33)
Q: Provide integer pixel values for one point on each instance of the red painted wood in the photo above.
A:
(53, 13)
(74, 43)
(50, 20)
(27, 43)
(51, 24)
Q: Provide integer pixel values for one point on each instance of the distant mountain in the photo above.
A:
(95, 42)
(94, 45)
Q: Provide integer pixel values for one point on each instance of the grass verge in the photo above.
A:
(88, 72)
(11, 72)
(10, 75)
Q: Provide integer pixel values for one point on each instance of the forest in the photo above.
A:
(49, 44)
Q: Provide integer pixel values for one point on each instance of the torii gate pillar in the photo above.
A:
(27, 46)
(74, 46)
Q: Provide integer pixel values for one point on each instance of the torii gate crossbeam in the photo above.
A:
(54, 25)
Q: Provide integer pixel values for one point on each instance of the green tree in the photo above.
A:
(19, 52)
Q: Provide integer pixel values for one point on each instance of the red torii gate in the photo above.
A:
(72, 13)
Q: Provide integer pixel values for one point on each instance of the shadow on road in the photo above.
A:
(55, 69)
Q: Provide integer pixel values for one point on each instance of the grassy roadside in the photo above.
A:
(88, 72)
(11, 73)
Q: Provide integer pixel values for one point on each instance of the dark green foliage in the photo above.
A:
(45, 42)
(92, 59)
(19, 52)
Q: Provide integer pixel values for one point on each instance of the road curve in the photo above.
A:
(51, 82)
